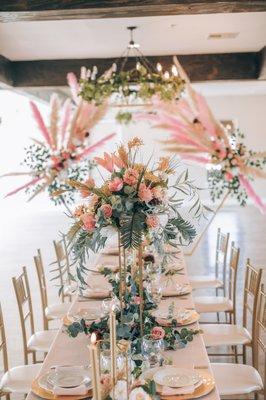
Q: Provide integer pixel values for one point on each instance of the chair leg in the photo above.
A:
(236, 354)
(244, 354)
(218, 317)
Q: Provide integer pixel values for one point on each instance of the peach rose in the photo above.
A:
(152, 221)
(89, 221)
(145, 193)
(158, 332)
(131, 176)
(107, 210)
(78, 211)
(115, 185)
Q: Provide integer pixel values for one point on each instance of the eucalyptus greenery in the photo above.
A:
(137, 83)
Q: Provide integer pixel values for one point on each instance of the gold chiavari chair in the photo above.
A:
(53, 311)
(218, 304)
(237, 335)
(218, 281)
(242, 379)
(63, 268)
(17, 379)
(33, 342)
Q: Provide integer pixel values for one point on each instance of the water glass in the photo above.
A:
(152, 350)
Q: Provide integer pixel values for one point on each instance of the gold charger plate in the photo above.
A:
(46, 394)
(194, 317)
(208, 384)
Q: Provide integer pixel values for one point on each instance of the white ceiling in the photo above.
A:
(182, 34)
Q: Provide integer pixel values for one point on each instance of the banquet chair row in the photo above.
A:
(218, 281)
(18, 379)
(227, 303)
(235, 334)
(241, 379)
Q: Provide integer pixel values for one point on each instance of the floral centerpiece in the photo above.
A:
(64, 149)
(137, 201)
(196, 135)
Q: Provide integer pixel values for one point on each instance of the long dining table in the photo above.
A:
(74, 351)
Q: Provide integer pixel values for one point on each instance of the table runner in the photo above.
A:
(69, 351)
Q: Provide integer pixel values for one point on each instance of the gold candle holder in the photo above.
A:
(112, 322)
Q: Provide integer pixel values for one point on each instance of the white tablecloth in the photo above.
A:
(69, 351)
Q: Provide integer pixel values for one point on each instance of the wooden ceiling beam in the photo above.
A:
(200, 67)
(41, 10)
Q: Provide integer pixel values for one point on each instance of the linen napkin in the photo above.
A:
(94, 293)
(171, 391)
(81, 390)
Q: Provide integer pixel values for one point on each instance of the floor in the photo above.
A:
(22, 234)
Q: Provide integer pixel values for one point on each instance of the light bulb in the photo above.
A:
(174, 70)
(138, 65)
(159, 67)
(166, 75)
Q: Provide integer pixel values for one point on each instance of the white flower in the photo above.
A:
(139, 394)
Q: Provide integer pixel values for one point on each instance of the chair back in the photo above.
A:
(63, 265)
(259, 341)
(221, 255)
(23, 295)
(233, 269)
(42, 285)
(3, 346)
(251, 290)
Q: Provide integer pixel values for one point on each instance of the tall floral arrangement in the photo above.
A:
(63, 149)
(135, 199)
(196, 135)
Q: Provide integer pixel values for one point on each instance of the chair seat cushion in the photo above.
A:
(225, 335)
(19, 379)
(57, 311)
(209, 304)
(205, 282)
(236, 379)
(42, 340)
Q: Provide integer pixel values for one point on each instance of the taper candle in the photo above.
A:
(113, 344)
(96, 384)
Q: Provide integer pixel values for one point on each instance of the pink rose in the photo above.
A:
(136, 300)
(158, 193)
(107, 210)
(115, 185)
(131, 176)
(145, 193)
(89, 221)
(158, 332)
(105, 380)
(152, 221)
(228, 176)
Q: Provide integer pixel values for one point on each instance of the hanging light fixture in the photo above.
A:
(131, 80)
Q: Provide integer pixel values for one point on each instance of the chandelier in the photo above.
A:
(132, 80)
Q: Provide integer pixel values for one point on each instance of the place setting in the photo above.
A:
(182, 316)
(70, 382)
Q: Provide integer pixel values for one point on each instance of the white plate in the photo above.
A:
(176, 377)
(176, 289)
(65, 377)
(88, 314)
(179, 315)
